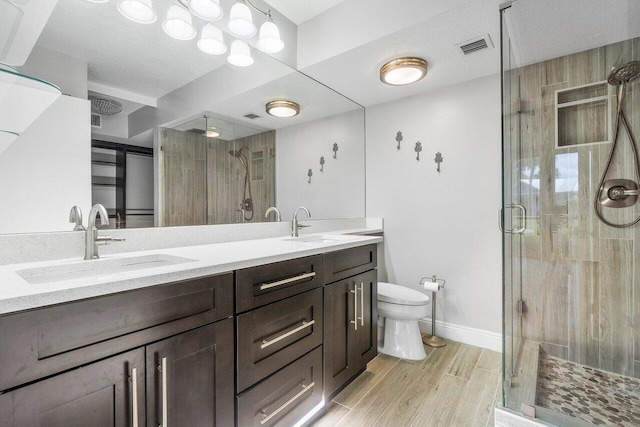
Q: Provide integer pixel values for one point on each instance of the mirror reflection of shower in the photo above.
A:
(620, 193)
(246, 204)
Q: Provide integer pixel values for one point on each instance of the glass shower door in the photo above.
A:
(512, 217)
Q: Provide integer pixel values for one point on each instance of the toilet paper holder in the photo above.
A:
(433, 340)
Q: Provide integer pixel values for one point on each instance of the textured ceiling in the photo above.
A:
(138, 58)
(299, 11)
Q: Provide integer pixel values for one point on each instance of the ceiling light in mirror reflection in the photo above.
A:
(240, 21)
(270, 41)
(206, 9)
(140, 11)
(178, 24)
(211, 41)
(240, 54)
(403, 71)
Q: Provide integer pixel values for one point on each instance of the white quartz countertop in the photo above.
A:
(31, 285)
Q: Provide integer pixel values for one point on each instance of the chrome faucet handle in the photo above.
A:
(105, 240)
(75, 216)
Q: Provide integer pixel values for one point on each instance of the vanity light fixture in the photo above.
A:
(206, 9)
(140, 11)
(282, 108)
(240, 54)
(211, 40)
(403, 71)
(269, 40)
(240, 20)
(178, 24)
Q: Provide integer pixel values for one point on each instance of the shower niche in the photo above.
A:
(582, 115)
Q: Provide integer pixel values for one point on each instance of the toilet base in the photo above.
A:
(401, 339)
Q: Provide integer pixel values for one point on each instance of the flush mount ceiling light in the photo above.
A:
(140, 11)
(206, 9)
(403, 71)
(211, 40)
(98, 1)
(212, 132)
(240, 54)
(282, 108)
(178, 24)
(269, 40)
(240, 21)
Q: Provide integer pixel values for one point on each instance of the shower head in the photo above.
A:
(625, 73)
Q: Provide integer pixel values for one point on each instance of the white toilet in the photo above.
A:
(399, 310)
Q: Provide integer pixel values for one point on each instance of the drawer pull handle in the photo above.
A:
(266, 286)
(304, 325)
(287, 403)
(134, 394)
(165, 415)
(361, 303)
(355, 306)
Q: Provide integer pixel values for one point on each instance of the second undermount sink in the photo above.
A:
(317, 238)
(100, 269)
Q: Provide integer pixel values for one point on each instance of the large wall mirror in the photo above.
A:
(162, 133)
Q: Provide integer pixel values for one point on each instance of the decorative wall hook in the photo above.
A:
(322, 164)
(418, 149)
(399, 139)
(438, 159)
(335, 150)
(309, 174)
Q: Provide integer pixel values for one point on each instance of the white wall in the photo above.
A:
(442, 223)
(47, 170)
(338, 192)
(68, 73)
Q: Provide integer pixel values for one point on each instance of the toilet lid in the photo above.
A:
(396, 294)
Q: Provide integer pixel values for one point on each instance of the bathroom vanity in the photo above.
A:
(261, 345)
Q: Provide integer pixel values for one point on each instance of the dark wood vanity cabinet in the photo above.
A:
(351, 333)
(95, 362)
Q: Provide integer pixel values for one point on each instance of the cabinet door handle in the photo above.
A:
(287, 403)
(304, 325)
(362, 304)
(165, 414)
(355, 306)
(134, 394)
(270, 285)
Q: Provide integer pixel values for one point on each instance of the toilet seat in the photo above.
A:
(396, 294)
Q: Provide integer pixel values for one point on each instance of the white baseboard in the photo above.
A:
(464, 334)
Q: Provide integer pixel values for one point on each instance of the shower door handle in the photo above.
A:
(512, 206)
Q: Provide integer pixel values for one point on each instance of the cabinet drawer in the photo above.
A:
(349, 262)
(270, 337)
(45, 341)
(258, 286)
(286, 396)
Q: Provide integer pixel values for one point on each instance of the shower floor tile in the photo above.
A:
(595, 396)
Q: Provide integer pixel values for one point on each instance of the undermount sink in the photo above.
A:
(97, 269)
(316, 239)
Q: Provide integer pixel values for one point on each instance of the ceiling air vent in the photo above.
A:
(251, 116)
(96, 121)
(475, 44)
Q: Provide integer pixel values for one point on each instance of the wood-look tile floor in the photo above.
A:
(456, 385)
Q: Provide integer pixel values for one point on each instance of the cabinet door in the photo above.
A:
(339, 332)
(366, 337)
(98, 395)
(190, 378)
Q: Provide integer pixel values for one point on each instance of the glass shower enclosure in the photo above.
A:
(571, 280)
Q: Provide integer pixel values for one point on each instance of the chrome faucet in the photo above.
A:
(92, 240)
(273, 209)
(75, 217)
(294, 225)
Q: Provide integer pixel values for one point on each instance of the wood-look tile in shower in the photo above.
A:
(615, 275)
(584, 312)
(586, 67)
(555, 71)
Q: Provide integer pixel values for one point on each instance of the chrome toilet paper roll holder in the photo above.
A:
(433, 340)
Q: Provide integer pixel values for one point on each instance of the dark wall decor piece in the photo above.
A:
(309, 174)
(438, 159)
(418, 149)
(335, 150)
(322, 164)
(399, 139)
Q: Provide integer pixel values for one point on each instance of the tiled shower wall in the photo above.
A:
(580, 278)
(201, 183)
